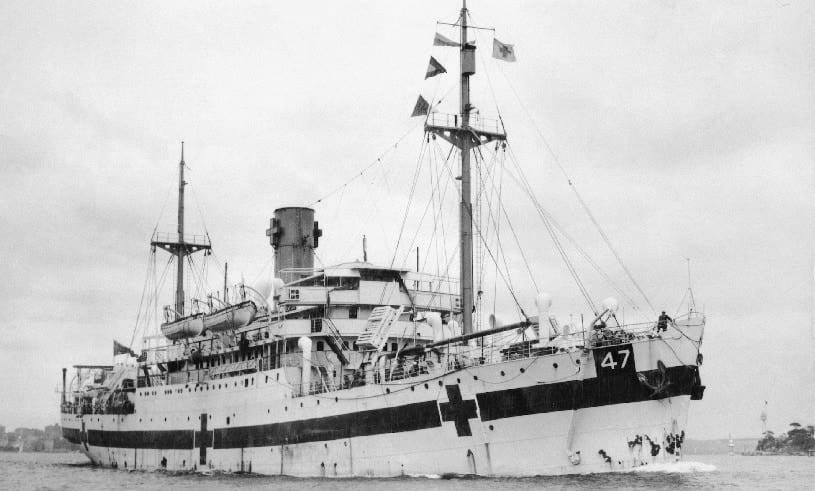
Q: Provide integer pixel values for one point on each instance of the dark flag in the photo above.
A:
(120, 349)
(434, 68)
(422, 107)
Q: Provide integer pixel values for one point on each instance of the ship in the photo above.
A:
(358, 369)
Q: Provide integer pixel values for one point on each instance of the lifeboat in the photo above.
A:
(231, 317)
(184, 328)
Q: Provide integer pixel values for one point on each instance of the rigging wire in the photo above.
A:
(577, 193)
(549, 228)
(492, 256)
(367, 167)
(410, 199)
(585, 255)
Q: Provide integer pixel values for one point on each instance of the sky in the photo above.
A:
(686, 128)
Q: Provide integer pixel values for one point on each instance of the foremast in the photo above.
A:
(466, 137)
(179, 246)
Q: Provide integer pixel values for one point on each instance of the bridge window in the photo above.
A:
(294, 294)
(316, 324)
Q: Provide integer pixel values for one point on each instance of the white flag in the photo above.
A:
(440, 40)
(501, 51)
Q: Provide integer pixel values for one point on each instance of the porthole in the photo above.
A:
(227, 420)
(475, 377)
(441, 383)
(336, 399)
(492, 427)
(426, 386)
(412, 388)
(301, 404)
(523, 370)
(318, 402)
(458, 380)
(387, 390)
(554, 365)
(286, 408)
(502, 373)
(578, 362)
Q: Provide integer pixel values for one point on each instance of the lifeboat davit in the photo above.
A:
(184, 328)
(231, 317)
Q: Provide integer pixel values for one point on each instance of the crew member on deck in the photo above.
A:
(662, 323)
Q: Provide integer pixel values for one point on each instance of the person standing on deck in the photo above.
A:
(662, 322)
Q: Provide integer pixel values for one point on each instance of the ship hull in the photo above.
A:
(556, 414)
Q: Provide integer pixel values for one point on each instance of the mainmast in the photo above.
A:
(179, 246)
(460, 131)
(466, 205)
(179, 281)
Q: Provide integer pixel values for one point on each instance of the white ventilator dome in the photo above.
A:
(277, 285)
(610, 304)
(264, 288)
(434, 321)
(543, 302)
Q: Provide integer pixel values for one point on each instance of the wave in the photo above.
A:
(677, 467)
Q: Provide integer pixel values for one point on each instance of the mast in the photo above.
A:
(459, 131)
(179, 280)
(177, 246)
(466, 206)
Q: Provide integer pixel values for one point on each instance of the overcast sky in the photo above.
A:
(687, 128)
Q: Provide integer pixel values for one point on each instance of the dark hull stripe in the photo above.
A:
(169, 440)
(71, 434)
(595, 392)
(410, 417)
(562, 396)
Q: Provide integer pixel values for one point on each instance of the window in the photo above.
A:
(317, 324)
(320, 346)
(394, 347)
(353, 311)
(294, 294)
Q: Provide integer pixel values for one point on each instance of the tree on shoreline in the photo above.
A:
(796, 440)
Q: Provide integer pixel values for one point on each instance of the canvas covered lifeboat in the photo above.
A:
(184, 328)
(231, 317)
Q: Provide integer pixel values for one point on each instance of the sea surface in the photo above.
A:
(67, 471)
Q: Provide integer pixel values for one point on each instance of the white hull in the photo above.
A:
(539, 442)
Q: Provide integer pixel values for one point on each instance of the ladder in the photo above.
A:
(335, 342)
(378, 327)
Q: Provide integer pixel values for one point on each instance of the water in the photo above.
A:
(70, 471)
